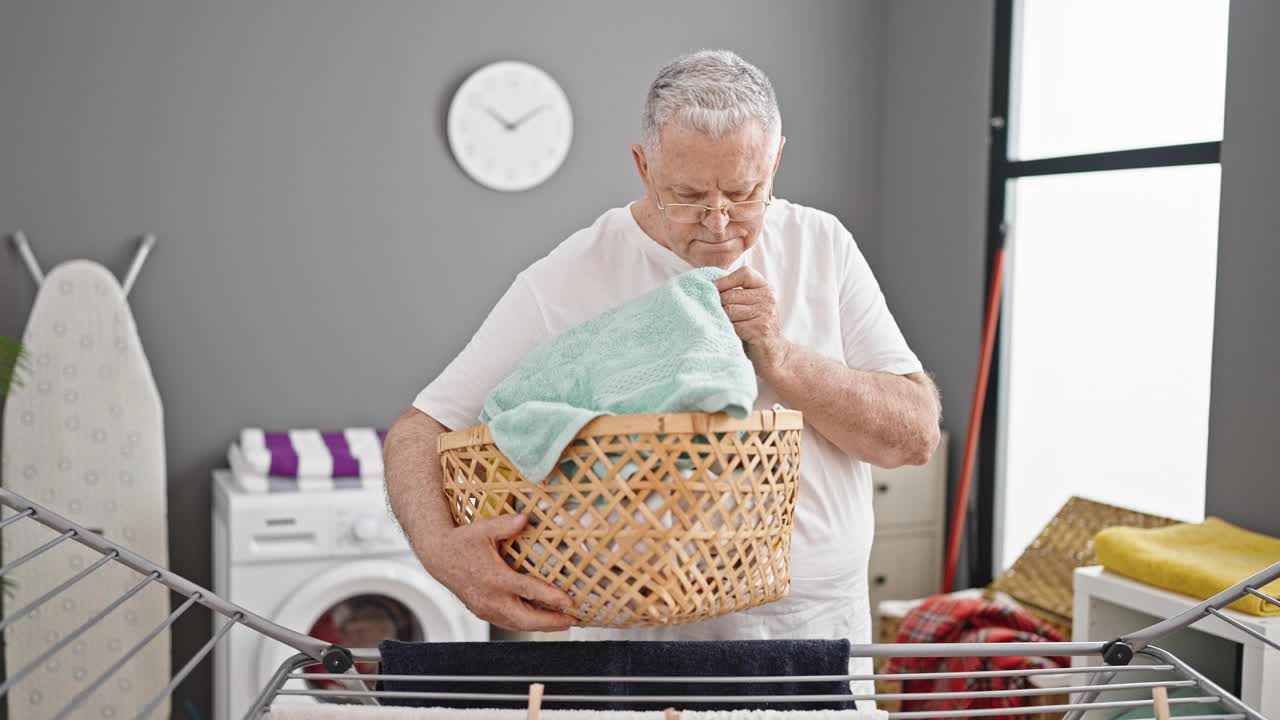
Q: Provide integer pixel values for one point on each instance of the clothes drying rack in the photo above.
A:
(1107, 675)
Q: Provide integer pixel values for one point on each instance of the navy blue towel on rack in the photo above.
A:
(740, 658)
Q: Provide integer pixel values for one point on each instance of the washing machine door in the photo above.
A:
(361, 603)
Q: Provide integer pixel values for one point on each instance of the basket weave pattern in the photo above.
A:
(647, 519)
(1043, 575)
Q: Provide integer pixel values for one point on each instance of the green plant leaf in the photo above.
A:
(13, 363)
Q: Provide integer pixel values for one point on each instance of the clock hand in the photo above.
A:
(521, 120)
(501, 121)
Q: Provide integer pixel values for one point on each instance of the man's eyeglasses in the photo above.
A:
(736, 211)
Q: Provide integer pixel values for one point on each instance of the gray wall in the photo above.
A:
(936, 100)
(933, 170)
(320, 255)
(1244, 410)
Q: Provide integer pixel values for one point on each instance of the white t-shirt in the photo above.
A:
(828, 301)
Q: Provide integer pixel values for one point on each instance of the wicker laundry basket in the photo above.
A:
(647, 519)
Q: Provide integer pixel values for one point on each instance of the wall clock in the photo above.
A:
(510, 126)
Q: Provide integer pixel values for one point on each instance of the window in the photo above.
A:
(1104, 191)
(1099, 75)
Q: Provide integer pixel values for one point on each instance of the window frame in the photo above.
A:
(982, 552)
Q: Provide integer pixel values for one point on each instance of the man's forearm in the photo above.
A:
(887, 420)
(463, 559)
(414, 478)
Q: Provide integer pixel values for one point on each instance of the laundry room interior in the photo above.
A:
(922, 353)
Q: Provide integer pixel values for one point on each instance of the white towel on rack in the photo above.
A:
(299, 711)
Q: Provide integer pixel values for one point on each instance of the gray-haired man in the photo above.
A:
(799, 293)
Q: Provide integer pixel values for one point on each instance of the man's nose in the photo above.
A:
(716, 220)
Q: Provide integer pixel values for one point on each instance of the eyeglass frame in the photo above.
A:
(723, 209)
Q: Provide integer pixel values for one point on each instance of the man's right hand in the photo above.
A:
(466, 560)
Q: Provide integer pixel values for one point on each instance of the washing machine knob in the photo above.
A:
(365, 529)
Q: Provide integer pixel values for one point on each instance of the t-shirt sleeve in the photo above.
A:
(872, 340)
(513, 329)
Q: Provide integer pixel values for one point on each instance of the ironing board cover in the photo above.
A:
(84, 436)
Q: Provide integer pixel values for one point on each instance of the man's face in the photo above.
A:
(693, 167)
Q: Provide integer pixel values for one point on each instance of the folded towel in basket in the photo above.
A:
(670, 350)
(622, 658)
(1200, 559)
(353, 452)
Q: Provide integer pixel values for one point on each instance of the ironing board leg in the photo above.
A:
(147, 242)
(24, 249)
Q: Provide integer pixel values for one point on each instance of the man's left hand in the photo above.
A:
(750, 305)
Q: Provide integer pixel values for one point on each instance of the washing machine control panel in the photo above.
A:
(363, 530)
(286, 527)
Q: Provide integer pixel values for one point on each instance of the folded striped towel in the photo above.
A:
(1200, 559)
(252, 481)
(353, 452)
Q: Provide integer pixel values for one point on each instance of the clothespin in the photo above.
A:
(671, 714)
(535, 701)
(1160, 701)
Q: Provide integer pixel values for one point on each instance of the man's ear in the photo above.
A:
(642, 165)
(777, 161)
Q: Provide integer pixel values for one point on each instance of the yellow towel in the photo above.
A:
(1200, 560)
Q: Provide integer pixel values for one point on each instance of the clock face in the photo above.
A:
(510, 126)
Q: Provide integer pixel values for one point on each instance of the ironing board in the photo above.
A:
(85, 435)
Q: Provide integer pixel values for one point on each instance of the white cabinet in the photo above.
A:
(1107, 606)
(910, 507)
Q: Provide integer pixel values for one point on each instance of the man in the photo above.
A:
(799, 294)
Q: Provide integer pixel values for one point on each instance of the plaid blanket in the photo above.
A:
(944, 619)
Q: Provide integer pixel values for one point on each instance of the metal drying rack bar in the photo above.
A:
(334, 658)
(1109, 661)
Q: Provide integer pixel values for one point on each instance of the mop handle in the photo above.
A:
(961, 506)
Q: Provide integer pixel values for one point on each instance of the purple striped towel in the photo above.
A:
(353, 452)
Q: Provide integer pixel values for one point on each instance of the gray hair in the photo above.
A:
(714, 91)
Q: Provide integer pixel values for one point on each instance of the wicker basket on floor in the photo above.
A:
(647, 519)
(1043, 575)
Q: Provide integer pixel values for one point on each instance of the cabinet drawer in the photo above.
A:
(911, 495)
(905, 566)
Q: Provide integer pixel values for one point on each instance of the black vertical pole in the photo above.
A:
(982, 529)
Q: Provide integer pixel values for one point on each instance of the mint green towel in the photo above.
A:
(671, 350)
(1179, 710)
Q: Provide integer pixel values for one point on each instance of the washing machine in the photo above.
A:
(332, 564)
